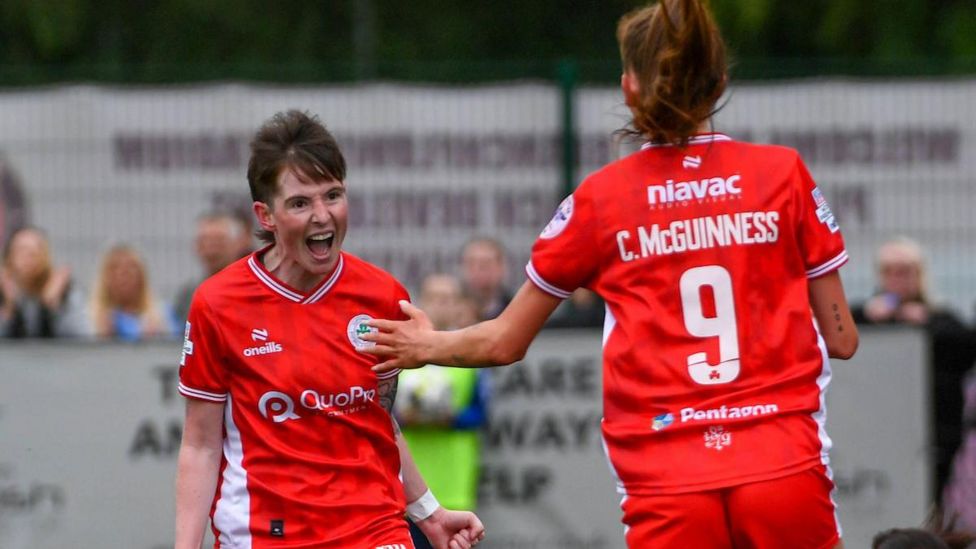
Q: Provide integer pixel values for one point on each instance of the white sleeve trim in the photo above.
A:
(202, 395)
(388, 375)
(550, 289)
(829, 265)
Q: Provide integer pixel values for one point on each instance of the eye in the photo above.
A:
(335, 194)
(299, 203)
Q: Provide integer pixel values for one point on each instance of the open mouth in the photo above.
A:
(320, 244)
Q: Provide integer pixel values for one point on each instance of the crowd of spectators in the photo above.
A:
(40, 298)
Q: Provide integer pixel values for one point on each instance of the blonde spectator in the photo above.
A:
(903, 297)
(903, 293)
(123, 305)
(37, 299)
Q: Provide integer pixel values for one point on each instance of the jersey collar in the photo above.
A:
(286, 291)
(700, 139)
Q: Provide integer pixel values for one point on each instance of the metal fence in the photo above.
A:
(431, 165)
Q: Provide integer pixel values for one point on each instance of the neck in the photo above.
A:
(289, 271)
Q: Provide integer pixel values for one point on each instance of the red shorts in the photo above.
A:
(793, 511)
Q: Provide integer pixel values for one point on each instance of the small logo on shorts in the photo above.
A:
(662, 421)
(357, 328)
(717, 437)
(277, 528)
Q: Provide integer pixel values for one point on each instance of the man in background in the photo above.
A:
(483, 272)
(222, 237)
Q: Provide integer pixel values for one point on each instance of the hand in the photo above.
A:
(52, 296)
(880, 308)
(403, 341)
(913, 312)
(452, 529)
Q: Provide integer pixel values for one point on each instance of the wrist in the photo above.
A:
(422, 507)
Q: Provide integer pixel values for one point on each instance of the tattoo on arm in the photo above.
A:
(387, 389)
(840, 325)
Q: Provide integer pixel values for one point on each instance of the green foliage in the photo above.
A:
(174, 40)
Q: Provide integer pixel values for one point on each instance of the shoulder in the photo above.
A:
(764, 154)
(219, 284)
(363, 271)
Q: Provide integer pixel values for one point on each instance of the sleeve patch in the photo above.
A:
(559, 220)
(824, 214)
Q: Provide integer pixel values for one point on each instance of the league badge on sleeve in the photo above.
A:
(823, 211)
(559, 221)
(187, 345)
(356, 328)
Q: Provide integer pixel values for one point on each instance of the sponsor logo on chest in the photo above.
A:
(265, 347)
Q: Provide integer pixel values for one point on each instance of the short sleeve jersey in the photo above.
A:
(309, 455)
(714, 372)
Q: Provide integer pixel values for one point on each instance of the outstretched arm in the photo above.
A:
(414, 343)
(444, 529)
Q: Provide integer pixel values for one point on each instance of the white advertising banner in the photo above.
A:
(89, 437)
(430, 166)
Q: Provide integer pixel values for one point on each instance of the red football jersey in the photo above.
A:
(714, 372)
(309, 455)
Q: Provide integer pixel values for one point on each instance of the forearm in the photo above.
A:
(196, 482)
(413, 482)
(484, 344)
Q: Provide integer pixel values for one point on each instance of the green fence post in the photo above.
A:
(568, 74)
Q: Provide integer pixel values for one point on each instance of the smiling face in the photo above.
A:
(308, 219)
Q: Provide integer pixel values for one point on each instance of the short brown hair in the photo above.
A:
(293, 139)
(676, 51)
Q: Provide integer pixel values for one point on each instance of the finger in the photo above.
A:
(461, 542)
(411, 310)
(381, 338)
(383, 324)
(388, 366)
(476, 528)
(378, 350)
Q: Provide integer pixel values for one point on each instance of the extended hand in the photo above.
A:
(401, 342)
(452, 529)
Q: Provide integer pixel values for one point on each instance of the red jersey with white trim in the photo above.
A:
(714, 373)
(309, 455)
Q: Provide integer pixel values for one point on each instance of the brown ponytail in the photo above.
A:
(677, 54)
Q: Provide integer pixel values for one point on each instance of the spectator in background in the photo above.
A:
(37, 299)
(959, 498)
(483, 272)
(907, 538)
(903, 297)
(932, 535)
(222, 238)
(441, 409)
(122, 303)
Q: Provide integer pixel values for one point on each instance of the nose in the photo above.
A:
(320, 211)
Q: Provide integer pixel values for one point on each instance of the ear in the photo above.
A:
(262, 211)
(630, 85)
